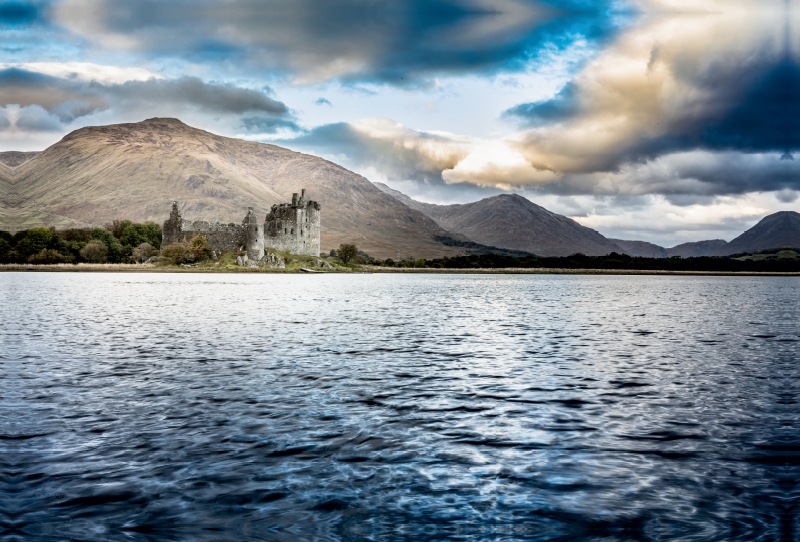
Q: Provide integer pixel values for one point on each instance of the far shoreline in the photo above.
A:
(144, 268)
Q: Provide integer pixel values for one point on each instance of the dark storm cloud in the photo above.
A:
(269, 125)
(401, 43)
(765, 118)
(560, 108)
(653, 94)
(68, 99)
(688, 178)
(755, 111)
(15, 14)
(211, 97)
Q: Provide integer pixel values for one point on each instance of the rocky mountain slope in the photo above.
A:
(511, 221)
(135, 171)
(777, 230)
(15, 158)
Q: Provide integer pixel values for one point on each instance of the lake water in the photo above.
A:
(399, 407)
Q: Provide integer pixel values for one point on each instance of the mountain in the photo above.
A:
(698, 248)
(14, 158)
(774, 231)
(134, 171)
(642, 249)
(513, 222)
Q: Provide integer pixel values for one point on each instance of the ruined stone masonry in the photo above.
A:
(293, 227)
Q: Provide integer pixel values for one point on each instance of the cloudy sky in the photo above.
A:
(661, 120)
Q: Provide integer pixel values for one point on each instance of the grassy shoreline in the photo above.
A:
(142, 268)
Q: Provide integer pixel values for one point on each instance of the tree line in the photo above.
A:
(610, 261)
(121, 241)
(124, 241)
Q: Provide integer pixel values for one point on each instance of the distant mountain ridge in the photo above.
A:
(134, 171)
(777, 230)
(641, 249)
(697, 248)
(513, 222)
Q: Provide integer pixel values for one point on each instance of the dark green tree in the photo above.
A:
(7, 253)
(95, 251)
(347, 252)
(49, 256)
(34, 241)
(177, 253)
(199, 247)
(134, 234)
(115, 251)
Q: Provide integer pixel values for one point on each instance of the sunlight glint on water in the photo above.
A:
(391, 407)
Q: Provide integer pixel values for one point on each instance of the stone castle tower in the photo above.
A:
(253, 236)
(294, 227)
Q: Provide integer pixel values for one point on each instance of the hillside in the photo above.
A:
(513, 222)
(777, 230)
(135, 171)
(14, 158)
(697, 248)
(642, 249)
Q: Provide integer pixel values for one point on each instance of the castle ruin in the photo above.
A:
(292, 227)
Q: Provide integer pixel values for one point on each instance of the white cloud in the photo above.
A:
(496, 164)
(655, 219)
(85, 71)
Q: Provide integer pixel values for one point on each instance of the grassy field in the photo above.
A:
(780, 255)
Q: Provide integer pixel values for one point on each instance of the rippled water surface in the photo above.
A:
(399, 407)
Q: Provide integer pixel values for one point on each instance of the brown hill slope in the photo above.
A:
(777, 230)
(134, 171)
(511, 221)
(15, 158)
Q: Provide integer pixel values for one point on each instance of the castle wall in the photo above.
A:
(220, 237)
(293, 227)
